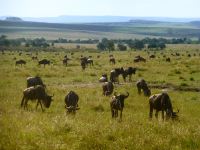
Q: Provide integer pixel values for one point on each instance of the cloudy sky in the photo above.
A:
(137, 8)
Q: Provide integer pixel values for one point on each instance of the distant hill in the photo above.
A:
(195, 23)
(13, 19)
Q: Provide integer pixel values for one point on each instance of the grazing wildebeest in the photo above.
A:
(89, 61)
(139, 59)
(44, 62)
(107, 88)
(114, 74)
(98, 56)
(142, 85)
(168, 59)
(152, 56)
(117, 103)
(33, 81)
(65, 61)
(128, 72)
(34, 58)
(112, 60)
(71, 102)
(104, 78)
(161, 102)
(83, 62)
(36, 93)
(189, 55)
(20, 62)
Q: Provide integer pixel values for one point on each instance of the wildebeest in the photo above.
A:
(142, 85)
(44, 62)
(83, 62)
(89, 61)
(168, 59)
(114, 74)
(36, 93)
(107, 88)
(65, 61)
(152, 56)
(128, 72)
(33, 81)
(161, 102)
(112, 60)
(104, 78)
(34, 57)
(71, 102)
(117, 103)
(139, 59)
(20, 62)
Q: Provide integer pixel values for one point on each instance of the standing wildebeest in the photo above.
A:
(168, 59)
(107, 88)
(33, 93)
(161, 102)
(33, 81)
(117, 103)
(142, 85)
(20, 62)
(65, 61)
(104, 78)
(89, 61)
(71, 102)
(83, 62)
(44, 62)
(128, 72)
(34, 58)
(139, 59)
(114, 74)
(112, 60)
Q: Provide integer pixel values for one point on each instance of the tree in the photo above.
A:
(122, 47)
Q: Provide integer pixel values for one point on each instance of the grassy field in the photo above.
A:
(92, 127)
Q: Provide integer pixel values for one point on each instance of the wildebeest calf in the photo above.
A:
(71, 102)
(161, 102)
(36, 93)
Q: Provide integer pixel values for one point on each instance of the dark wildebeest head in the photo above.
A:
(161, 102)
(107, 88)
(128, 72)
(71, 102)
(117, 103)
(20, 62)
(36, 93)
(142, 85)
(33, 81)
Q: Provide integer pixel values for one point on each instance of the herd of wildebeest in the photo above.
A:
(36, 89)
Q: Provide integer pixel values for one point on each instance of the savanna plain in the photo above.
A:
(92, 126)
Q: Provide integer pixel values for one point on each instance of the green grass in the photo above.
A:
(92, 127)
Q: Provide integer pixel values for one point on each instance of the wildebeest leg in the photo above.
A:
(116, 113)
(22, 102)
(163, 115)
(139, 90)
(156, 114)
(25, 104)
(39, 101)
(130, 76)
(112, 113)
(37, 104)
(151, 112)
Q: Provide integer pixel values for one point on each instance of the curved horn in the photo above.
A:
(127, 94)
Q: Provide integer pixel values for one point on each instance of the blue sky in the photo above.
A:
(138, 8)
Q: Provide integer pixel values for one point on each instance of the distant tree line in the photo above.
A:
(104, 44)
